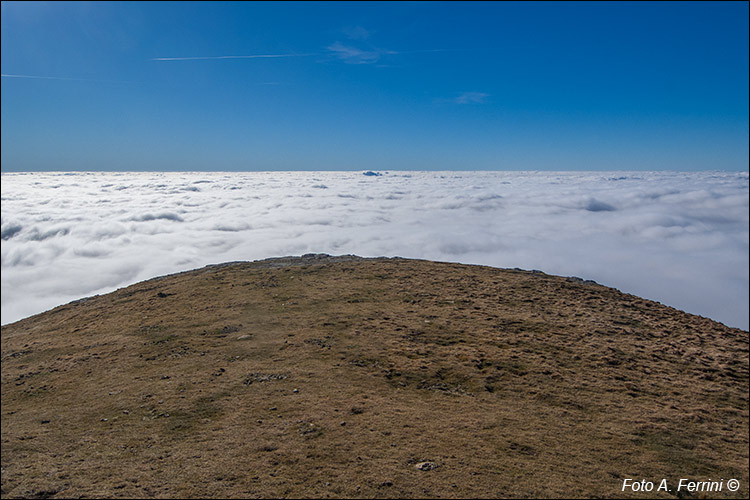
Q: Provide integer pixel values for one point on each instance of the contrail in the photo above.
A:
(256, 56)
(37, 77)
(273, 56)
(46, 77)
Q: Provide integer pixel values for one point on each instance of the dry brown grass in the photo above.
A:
(334, 378)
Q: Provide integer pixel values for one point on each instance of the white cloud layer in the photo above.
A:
(679, 238)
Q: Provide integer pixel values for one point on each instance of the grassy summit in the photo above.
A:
(346, 377)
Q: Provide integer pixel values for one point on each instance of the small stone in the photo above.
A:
(295, 391)
(343, 423)
(426, 465)
(104, 419)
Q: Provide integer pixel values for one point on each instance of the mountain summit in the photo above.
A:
(322, 376)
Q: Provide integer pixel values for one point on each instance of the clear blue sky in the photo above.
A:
(413, 85)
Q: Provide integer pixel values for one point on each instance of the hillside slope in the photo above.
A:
(346, 377)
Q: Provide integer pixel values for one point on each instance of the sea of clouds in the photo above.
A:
(679, 238)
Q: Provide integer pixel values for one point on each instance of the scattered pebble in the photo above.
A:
(426, 465)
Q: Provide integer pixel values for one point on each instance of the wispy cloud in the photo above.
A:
(471, 98)
(355, 55)
(252, 56)
(360, 51)
(356, 33)
(464, 98)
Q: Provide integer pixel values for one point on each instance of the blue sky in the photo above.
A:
(387, 86)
